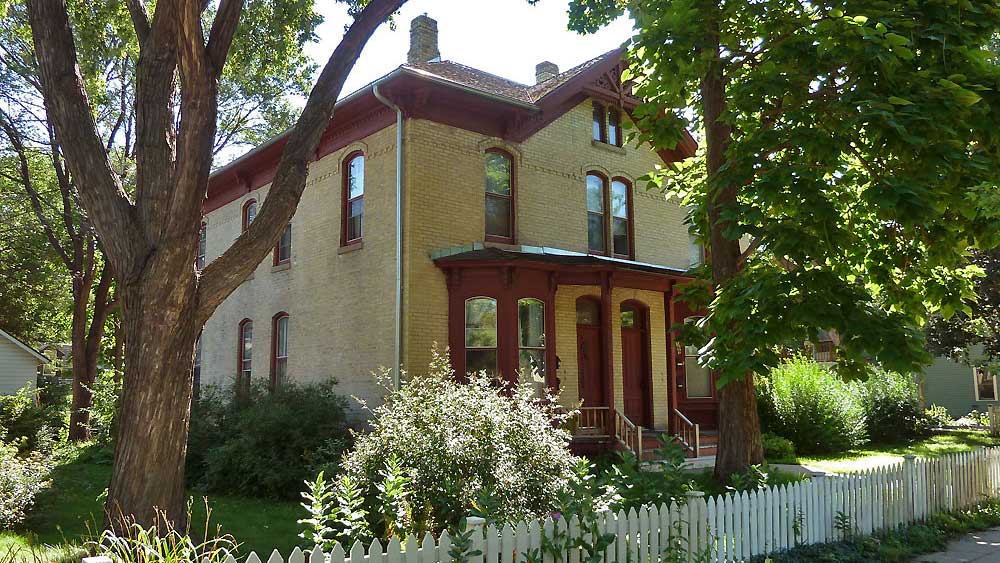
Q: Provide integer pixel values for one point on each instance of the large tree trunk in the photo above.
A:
(739, 424)
(160, 332)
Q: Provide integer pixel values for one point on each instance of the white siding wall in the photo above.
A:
(17, 367)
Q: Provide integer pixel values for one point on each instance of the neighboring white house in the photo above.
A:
(18, 364)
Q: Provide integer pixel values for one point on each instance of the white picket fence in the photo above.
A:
(731, 527)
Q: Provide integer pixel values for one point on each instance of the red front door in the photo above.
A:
(635, 365)
(589, 358)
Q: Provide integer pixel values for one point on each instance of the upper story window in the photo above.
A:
(607, 124)
(600, 131)
(499, 196)
(354, 194)
(481, 335)
(696, 252)
(199, 262)
(283, 250)
(531, 336)
(986, 384)
(245, 354)
(279, 350)
(249, 213)
(596, 227)
(621, 218)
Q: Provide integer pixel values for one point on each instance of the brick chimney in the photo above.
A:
(544, 71)
(423, 40)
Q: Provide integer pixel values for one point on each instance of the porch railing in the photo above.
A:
(688, 433)
(593, 422)
(629, 433)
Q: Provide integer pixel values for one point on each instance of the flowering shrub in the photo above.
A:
(21, 478)
(437, 445)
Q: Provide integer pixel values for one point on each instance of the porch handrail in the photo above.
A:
(688, 433)
(594, 419)
(629, 433)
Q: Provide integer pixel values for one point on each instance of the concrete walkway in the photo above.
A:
(981, 547)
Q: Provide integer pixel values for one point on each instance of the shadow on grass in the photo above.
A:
(71, 510)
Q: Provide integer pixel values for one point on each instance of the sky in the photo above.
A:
(504, 37)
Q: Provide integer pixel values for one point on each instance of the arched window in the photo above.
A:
(499, 196)
(481, 335)
(596, 205)
(245, 354)
(698, 378)
(600, 133)
(249, 213)
(283, 250)
(279, 350)
(621, 218)
(353, 202)
(199, 262)
(531, 337)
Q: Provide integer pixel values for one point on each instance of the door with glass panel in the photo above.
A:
(590, 352)
(695, 382)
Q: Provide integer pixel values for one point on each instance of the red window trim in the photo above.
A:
(600, 110)
(274, 348)
(512, 197)
(345, 201)
(240, 384)
(246, 207)
(605, 213)
(629, 218)
(276, 261)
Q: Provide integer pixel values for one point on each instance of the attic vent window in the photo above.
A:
(607, 124)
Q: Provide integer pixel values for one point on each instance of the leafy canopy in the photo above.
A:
(864, 152)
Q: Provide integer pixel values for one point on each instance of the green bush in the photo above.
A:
(265, 444)
(104, 406)
(31, 426)
(777, 448)
(891, 403)
(811, 406)
(437, 446)
(938, 416)
(21, 478)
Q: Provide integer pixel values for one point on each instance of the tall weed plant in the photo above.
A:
(813, 407)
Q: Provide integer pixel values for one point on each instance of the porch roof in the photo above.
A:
(478, 253)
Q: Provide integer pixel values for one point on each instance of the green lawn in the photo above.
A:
(68, 510)
(940, 443)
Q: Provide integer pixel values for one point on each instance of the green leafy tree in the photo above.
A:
(849, 163)
(956, 337)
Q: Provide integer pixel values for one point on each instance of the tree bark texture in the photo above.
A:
(151, 243)
(739, 424)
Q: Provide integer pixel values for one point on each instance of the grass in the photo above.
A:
(937, 444)
(69, 512)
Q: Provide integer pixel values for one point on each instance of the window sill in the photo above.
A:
(351, 247)
(282, 266)
(607, 147)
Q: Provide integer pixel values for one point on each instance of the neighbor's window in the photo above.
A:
(283, 250)
(698, 378)
(202, 240)
(197, 366)
(245, 353)
(614, 127)
(499, 196)
(621, 216)
(596, 195)
(280, 350)
(249, 213)
(354, 194)
(481, 335)
(986, 384)
(600, 133)
(696, 252)
(531, 337)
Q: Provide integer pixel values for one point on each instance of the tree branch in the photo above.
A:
(140, 19)
(226, 272)
(70, 112)
(220, 38)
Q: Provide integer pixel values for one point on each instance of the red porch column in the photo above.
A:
(607, 283)
(668, 302)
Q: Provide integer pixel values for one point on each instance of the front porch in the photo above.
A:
(596, 329)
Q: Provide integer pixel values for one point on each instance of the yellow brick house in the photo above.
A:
(506, 221)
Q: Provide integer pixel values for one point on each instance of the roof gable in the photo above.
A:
(24, 347)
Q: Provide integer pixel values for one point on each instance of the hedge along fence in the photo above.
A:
(731, 527)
